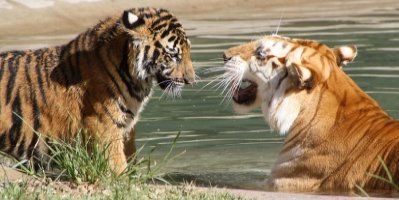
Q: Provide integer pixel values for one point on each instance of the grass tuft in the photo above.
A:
(82, 160)
(80, 170)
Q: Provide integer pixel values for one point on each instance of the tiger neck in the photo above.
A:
(103, 74)
(335, 120)
(119, 70)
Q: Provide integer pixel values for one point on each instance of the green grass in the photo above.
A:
(80, 161)
(123, 190)
(81, 171)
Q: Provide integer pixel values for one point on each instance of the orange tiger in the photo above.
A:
(100, 80)
(336, 133)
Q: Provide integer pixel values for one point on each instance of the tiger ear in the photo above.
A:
(301, 76)
(345, 54)
(131, 20)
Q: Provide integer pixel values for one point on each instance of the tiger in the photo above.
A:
(101, 81)
(338, 138)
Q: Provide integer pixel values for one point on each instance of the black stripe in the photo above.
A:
(146, 49)
(3, 140)
(74, 59)
(15, 130)
(39, 57)
(37, 160)
(32, 145)
(181, 41)
(117, 123)
(27, 75)
(124, 65)
(175, 43)
(70, 50)
(45, 68)
(13, 70)
(21, 148)
(173, 26)
(125, 76)
(171, 38)
(128, 84)
(78, 74)
(159, 20)
(125, 110)
(36, 114)
(64, 69)
(2, 68)
(102, 63)
(71, 66)
(155, 56)
(161, 10)
(133, 88)
(35, 108)
(158, 44)
(165, 33)
(161, 26)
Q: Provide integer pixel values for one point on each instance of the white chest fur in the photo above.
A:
(281, 110)
(135, 107)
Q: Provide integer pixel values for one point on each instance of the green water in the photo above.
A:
(219, 147)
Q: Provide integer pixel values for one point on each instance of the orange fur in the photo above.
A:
(336, 132)
(99, 81)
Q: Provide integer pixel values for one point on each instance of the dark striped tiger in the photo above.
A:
(336, 133)
(100, 80)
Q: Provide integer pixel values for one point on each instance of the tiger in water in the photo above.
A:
(101, 80)
(338, 137)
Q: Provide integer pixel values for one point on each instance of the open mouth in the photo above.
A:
(246, 93)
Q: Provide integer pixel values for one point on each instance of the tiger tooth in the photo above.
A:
(244, 84)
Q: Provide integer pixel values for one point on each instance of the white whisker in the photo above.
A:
(214, 69)
(210, 82)
(162, 82)
(279, 23)
(216, 59)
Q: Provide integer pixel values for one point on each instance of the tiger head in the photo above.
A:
(264, 72)
(159, 48)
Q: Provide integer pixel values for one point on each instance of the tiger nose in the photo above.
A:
(226, 57)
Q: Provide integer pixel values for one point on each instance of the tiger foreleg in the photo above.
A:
(117, 158)
(130, 145)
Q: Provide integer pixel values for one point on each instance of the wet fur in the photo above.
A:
(335, 131)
